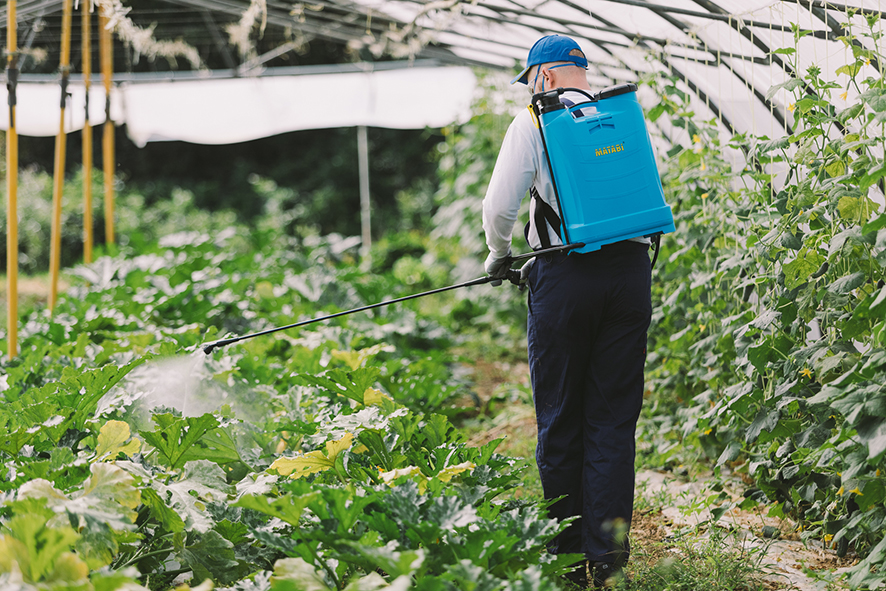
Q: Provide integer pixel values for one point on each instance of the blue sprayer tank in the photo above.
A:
(603, 167)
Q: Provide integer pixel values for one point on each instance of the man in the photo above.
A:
(587, 323)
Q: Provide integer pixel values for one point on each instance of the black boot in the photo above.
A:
(606, 575)
(579, 576)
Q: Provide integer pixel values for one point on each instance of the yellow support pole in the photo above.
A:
(106, 48)
(86, 50)
(11, 187)
(59, 175)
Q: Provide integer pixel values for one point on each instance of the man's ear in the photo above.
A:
(546, 73)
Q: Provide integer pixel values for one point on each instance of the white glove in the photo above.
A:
(524, 271)
(498, 267)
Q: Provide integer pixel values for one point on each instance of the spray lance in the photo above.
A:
(512, 275)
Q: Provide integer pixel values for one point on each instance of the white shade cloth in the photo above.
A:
(224, 111)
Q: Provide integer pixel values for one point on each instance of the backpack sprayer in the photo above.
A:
(603, 169)
(512, 275)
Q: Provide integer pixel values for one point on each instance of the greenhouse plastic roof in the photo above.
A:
(719, 51)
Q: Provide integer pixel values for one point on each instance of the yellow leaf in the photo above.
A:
(357, 359)
(112, 440)
(309, 463)
(206, 585)
(351, 358)
(10, 549)
(313, 462)
(393, 475)
(68, 569)
(334, 448)
(360, 449)
(373, 396)
(411, 471)
(446, 474)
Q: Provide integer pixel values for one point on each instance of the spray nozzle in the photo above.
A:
(210, 347)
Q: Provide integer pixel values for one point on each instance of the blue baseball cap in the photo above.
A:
(553, 48)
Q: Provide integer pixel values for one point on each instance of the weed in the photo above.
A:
(716, 562)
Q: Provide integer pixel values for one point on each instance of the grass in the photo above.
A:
(711, 563)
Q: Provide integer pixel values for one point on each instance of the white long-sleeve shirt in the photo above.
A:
(520, 165)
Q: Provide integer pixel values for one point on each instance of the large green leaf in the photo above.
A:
(790, 85)
(352, 384)
(766, 420)
(872, 431)
(216, 446)
(799, 270)
(175, 436)
(211, 557)
(875, 98)
(201, 482)
(166, 515)
(848, 283)
(80, 390)
(858, 210)
(874, 225)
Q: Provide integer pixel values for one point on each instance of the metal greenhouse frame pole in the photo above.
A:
(11, 187)
(363, 165)
(55, 245)
(106, 48)
(86, 33)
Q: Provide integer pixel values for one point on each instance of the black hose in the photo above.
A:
(512, 275)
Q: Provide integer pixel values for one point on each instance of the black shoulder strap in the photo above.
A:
(656, 240)
(544, 215)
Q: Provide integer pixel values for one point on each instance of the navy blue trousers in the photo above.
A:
(588, 317)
